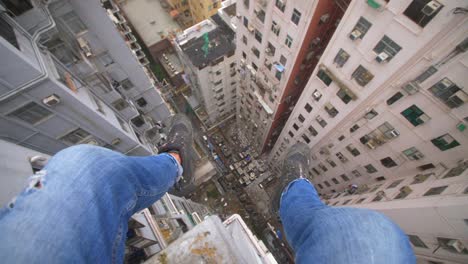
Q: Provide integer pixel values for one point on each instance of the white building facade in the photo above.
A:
(72, 73)
(207, 52)
(388, 97)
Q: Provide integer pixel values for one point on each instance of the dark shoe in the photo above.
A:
(180, 140)
(295, 165)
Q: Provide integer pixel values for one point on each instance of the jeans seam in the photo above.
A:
(118, 237)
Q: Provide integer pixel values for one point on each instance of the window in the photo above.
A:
(404, 191)
(244, 55)
(120, 104)
(244, 39)
(321, 121)
(344, 96)
(278, 75)
(331, 162)
(388, 162)
(288, 41)
(331, 110)
(281, 5)
(31, 113)
(256, 52)
(320, 186)
(371, 114)
(362, 76)
(347, 202)
(449, 93)
(75, 136)
(290, 134)
(341, 138)
(426, 74)
(426, 167)
(397, 96)
(258, 36)
(295, 126)
(416, 241)
(321, 166)
(296, 16)
(356, 173)
(317, 172)
(306, 139)
(415, 115)
(126, 84)
(260, 15)
(361, 200)
(138, 121)
(344, 177)
(246, 22)
(354, 128)
(316, 95)
(271, 50)
(341, 58)
(327, 183)
(370, 168)
(361, 28)
(387, 46)
(341, 157)
(420, 14)
(218, 82)
(301, 118)
(353, 150)
(335, 181)
(435, 191)
(275, 28)
(324, 77)
(445, 142)
(283, 60)
(395, 184)
(141, 102)
(445, 243)
(312, 131)
(308, 107)
(413, 154)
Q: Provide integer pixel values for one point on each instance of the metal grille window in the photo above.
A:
(370, 168)
(356, 173)
(322, 75)
(244, 40)
(341, 58)
(362, 76)
(327, 183)
(31, 113)
(321, 121)
(341, 138)
(275, 28)
(290, 134)
(361, 28)
(344, 177)
(256, 52)
(75, 137)
(295, 126)
(426, 74)
(445, 142)
(335, 181)
(271, 50)
(296, 16)
(331, 110)
(449, 93)
(301, 118)
(331, 162)
(421, 13)
(435, 191)
(246, 22)
(388, 46)
(397, 96)
(312, 131)
(416, 241)
(344, 96)
(258, 36)
(261, 15)
(395, 184)
(388, 162)
(281, 5)
(415, 115)
(126, 84)
(353, 150)
(283, 60)
(306, 139)
(322, 167)
(308, 107)
(288, 41)
(413, 154)
(447, 244)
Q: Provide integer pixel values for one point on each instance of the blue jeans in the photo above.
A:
(76, 210)
(322, 234)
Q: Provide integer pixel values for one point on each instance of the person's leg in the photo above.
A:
(77, 208)
(322, 234)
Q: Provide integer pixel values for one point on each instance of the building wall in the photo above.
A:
(420, 48)
(424, 217)
(203, 9)
(275, 95)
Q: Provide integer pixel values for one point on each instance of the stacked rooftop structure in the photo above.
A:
(74, 73)
(278, 45)
(207, 52)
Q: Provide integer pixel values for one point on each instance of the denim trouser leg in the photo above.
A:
(76, 209)
(322, 234)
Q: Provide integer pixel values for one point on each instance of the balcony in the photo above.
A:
(129, 38)
(144, 61)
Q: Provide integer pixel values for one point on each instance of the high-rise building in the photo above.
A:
(72, 72)
(387, 98)
(207, 51)
(203, 9)
(278, 45)
(431, 208)
(180, 10)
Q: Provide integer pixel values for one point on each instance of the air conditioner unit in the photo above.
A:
(355, 34)
(317, 95)
(51, 100)
(370, 144)
(393, 133)
(456, 244)
(459, 96)
(382, 57)
(406, 189)
(251, 29)
(411, 87)
(446, 83)
(424, 118)
(430, 8)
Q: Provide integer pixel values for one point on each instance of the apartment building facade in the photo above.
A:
(431, 208)
(207, 52)
(73, 73)
(203, 9)
(388, 97)
(278, 45)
